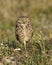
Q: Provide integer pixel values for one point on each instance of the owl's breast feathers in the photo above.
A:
(23, 32)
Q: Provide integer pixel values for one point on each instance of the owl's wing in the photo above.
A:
(16, 30)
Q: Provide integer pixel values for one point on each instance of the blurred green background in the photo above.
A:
(39, 49)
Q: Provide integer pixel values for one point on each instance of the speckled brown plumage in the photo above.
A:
(23, 30)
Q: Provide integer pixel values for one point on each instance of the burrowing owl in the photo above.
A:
(23, 30)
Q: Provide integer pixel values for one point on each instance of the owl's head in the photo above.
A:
(23, 20)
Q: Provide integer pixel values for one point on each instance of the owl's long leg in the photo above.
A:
(25, 47)
(25, 44)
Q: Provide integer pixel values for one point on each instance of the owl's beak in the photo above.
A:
(23, 24)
